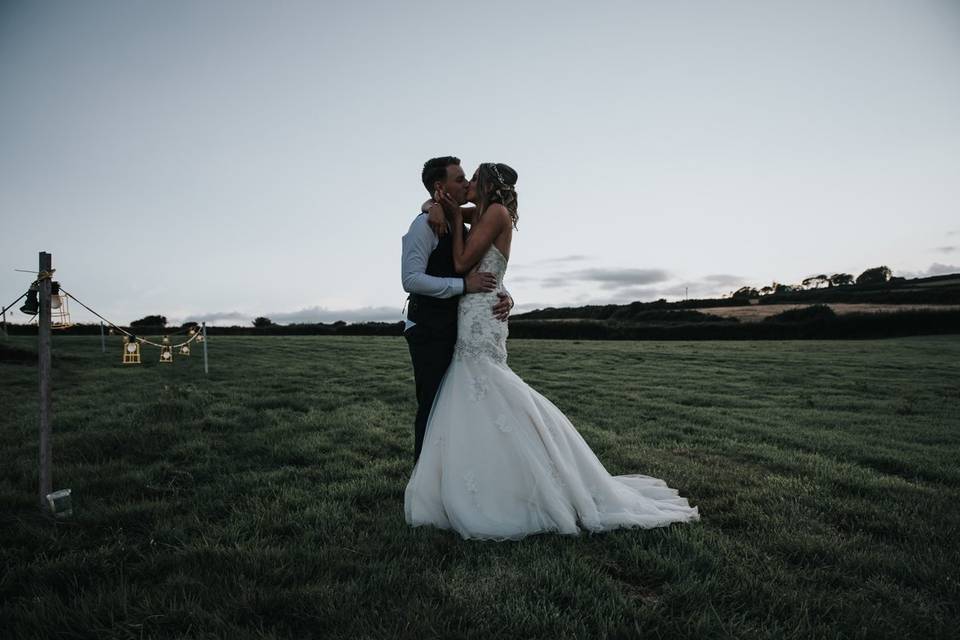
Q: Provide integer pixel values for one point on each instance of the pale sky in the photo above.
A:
(224, 160)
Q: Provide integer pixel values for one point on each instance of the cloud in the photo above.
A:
(550, 261)
(219, 317)
(322, 314)
(634, 294)
(306, 315)
(571, 258)
(724, 280)
(945, 249)
(624, 276)
(607, 278)
(935, 269)
(622, 286)
(955, 232)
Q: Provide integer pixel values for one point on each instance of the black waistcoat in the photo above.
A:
(437, 312)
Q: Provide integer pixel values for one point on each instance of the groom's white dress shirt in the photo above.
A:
(418, 243)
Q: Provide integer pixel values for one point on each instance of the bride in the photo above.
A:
(499, 460)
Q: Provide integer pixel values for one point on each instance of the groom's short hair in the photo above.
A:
(435, 169)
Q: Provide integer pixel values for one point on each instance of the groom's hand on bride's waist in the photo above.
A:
(501, 310)
(479, 282)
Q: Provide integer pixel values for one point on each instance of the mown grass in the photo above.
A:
(266, 500)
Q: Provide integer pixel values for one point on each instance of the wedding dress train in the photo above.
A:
(500, 461)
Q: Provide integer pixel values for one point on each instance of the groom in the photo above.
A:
(435, 289)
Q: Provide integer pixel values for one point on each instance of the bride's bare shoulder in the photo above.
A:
(498, 214)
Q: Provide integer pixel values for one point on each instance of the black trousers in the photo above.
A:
(431, 349)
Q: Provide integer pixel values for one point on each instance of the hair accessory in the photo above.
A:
(496, 172)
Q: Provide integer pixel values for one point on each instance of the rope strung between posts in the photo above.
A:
(10, 306)
(124, 331)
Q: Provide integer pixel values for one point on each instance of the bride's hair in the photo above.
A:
(496, 183)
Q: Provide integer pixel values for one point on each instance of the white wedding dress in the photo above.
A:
(500, 461)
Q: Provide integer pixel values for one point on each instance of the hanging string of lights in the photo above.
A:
(60, 319)
(193, 333)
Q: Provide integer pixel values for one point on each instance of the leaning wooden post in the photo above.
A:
(206, 365)
(103, 340)
(43, 348)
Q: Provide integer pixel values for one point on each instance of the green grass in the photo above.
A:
(266, 500)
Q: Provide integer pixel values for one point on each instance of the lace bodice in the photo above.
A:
(479, 333)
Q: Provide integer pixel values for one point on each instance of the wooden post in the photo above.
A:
(43, 349)
(206, 365)
(103, 340)
(5, 334)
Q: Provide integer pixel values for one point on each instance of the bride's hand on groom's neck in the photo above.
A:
(450, 206)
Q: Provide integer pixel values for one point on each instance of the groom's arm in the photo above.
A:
(438, 220)
(501, 310)
(417, 247)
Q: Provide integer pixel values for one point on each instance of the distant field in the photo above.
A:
(266, 500)
(755, 313)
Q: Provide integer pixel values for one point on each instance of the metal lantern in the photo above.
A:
(59, 309)
(131, 351)
(185, 350)
(166, 353)
(32, 306)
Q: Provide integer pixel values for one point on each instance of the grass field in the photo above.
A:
(266, 501)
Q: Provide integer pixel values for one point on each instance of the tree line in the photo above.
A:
(874, 275)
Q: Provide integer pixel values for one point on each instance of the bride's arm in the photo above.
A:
(482, 234)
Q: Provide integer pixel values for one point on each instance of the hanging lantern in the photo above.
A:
(166, 353)
(59, 309)
(111, 331)
(32, 306)
(131, 351)
(185, 350)
(200, 338)
(166, 340)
